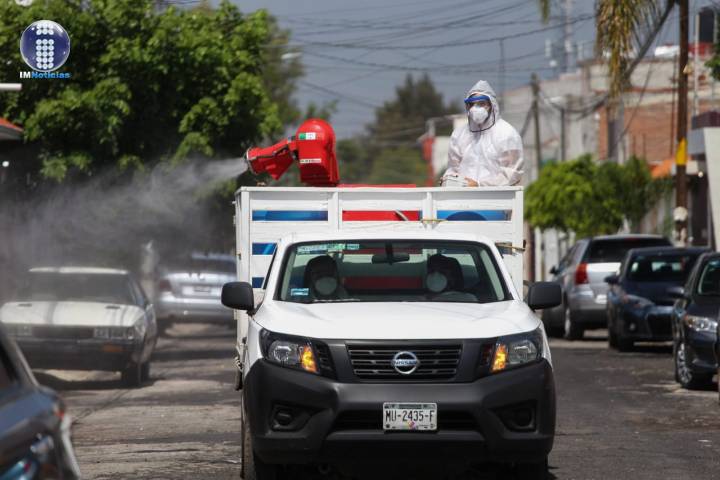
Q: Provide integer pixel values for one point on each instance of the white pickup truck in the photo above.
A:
(385, 327)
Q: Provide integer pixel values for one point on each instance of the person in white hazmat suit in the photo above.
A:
(487, 151)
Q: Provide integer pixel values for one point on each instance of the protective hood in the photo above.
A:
(483, 88)
(491, 153)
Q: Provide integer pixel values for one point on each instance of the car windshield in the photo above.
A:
(614, 250)
(82, 287)
(391, 271)
(660, 268)
(709, 283)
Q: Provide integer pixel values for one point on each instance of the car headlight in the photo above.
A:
(101, 332)
(636, 302)
(120, 333)
(516, 350)
(291, 352)
(700, 324)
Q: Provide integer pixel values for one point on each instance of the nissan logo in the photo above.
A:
(405, 363)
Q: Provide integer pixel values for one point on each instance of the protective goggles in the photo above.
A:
(477, 100)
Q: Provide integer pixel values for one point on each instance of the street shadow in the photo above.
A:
(193, 354)
(430, 472)
(63, 384)
(656, 349)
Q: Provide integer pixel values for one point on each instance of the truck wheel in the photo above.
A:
(532, 471)
(253, 468)
(573, 331)
(131, 376)
(688, 379)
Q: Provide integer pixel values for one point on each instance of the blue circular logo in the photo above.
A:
(45, 46)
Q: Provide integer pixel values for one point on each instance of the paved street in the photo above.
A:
(619, 415)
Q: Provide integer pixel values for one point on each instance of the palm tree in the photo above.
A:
(625, 30)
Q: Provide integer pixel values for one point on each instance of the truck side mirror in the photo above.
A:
(543, 295)
(676, 292)
(238, 295)
(612, 279)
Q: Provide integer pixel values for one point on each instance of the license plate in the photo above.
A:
(409, 416)
(202, 289)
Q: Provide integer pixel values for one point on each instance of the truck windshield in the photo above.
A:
(391, 271)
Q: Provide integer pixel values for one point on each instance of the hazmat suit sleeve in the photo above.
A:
(507, 169)
(455, 154)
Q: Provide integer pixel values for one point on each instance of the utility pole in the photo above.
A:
(563, 132)
(501, 72)
(567, 37)
(538, 159)
(681, 213)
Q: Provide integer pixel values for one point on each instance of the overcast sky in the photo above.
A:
(358, 51)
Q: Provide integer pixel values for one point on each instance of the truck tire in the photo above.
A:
(573, 331)
(532, 471)
(253, 468)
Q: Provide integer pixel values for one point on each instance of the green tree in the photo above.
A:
(148, 84)
(592, 199)
(398, 166)
(389, 151)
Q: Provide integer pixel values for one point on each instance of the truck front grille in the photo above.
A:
(436, 362)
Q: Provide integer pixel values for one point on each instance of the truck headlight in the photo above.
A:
(701, 324)
(291, 352)
(516, 350)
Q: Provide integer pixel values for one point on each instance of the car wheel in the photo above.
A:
(163, 326)
(253, 468)
(625, 344)
(145, 371)
(687, 378)
(612, 337)
(532, 471)
(572, 331)
(131, 376)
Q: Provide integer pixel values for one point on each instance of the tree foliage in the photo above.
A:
(148, 84)
(592, 199)
(389, 151)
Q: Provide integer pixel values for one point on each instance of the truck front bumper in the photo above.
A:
(299, 418)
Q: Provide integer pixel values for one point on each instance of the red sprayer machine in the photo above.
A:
(312, 147)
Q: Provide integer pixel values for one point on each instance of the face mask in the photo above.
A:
(326, 285)
(478, 115)
(436, 282)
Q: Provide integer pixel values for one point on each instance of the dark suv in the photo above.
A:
(694, 326)
(640, 301)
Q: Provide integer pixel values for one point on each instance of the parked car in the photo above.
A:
(34, 427)
(80, 318)
(189, 290)
(640, 300)
(694, 324)
(582, 272)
